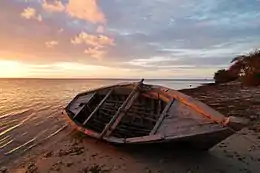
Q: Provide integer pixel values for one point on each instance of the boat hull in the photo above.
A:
(203, 141)
(167, 117)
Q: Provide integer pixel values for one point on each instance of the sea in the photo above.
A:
(30, 109)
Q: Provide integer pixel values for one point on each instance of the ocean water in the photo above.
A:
(30, 109)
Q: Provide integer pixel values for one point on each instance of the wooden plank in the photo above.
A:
(131, 115)
(139, 115)
(121, 111)
(117, 119)
(144, 139)
(200, 107)
(159, 105)
(162, 116)
(99, 105)
(81, 108)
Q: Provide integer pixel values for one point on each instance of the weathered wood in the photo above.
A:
(109, 102)
(81, 108)
(133, 113)
(121, 111)
(105, 114)
(149, 119)
(144, 139)
(129, 122)
(159, 105)
(126, 129)
(107, 110)
(117, 118)
(99, 105)
(139, 115)
(162, 116)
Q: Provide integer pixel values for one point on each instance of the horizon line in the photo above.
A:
(100, 78)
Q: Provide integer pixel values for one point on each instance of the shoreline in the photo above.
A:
(70, 151)
(230, 99)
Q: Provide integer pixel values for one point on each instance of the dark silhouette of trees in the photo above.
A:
(244, 67)
(222, 76)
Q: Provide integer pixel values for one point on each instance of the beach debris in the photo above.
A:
(95, 169)
(69, 164)
(3, 170)
(74, 150)
(56, 166)
(31, 168)
(20, 170)
(94, 155)
(48, 154)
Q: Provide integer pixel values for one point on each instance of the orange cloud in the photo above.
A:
(95, 52)
(53, 5)
(51, 44)
(92, 40)
(97, 43)
(30, 13)
(86, 10)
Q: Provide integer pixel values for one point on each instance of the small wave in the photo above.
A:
(6, 124)
(5, 144)
(17, 148)
(4, 139)
(15, 126)
(16, 113)
(44, 108)
(26, 143)
(37, 143)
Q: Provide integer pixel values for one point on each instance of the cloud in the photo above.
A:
(95, 52)
(92, 40)
(86, 10)
(100, 29)
(53, 5)
(60, 30)
(152, 35)
(51, 44)
(150, 62)
(97, 44)
(30, 13)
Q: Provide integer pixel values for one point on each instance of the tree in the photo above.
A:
(222, 76)
(247, 64)
(247, 67)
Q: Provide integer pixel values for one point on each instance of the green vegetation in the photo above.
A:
(222, 76)
(244, 67)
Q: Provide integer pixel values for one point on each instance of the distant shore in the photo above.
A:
(69, 151)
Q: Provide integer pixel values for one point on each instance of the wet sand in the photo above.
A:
(70, 151)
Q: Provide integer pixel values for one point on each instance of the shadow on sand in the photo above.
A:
(169, 158)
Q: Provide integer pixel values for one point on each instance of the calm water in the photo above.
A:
(30, 109)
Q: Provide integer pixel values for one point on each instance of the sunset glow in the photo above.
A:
(124, 39)
(11, 69)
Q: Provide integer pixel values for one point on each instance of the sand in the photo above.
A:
(70, 151)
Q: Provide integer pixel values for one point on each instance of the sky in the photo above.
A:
(124, 38)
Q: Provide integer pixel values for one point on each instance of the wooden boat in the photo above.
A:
(138, 113)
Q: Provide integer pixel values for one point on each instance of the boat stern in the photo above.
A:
(236, 123)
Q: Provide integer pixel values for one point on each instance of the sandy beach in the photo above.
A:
(69, 151)
(74, 69)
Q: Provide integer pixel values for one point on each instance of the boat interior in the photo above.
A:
(138, 120)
